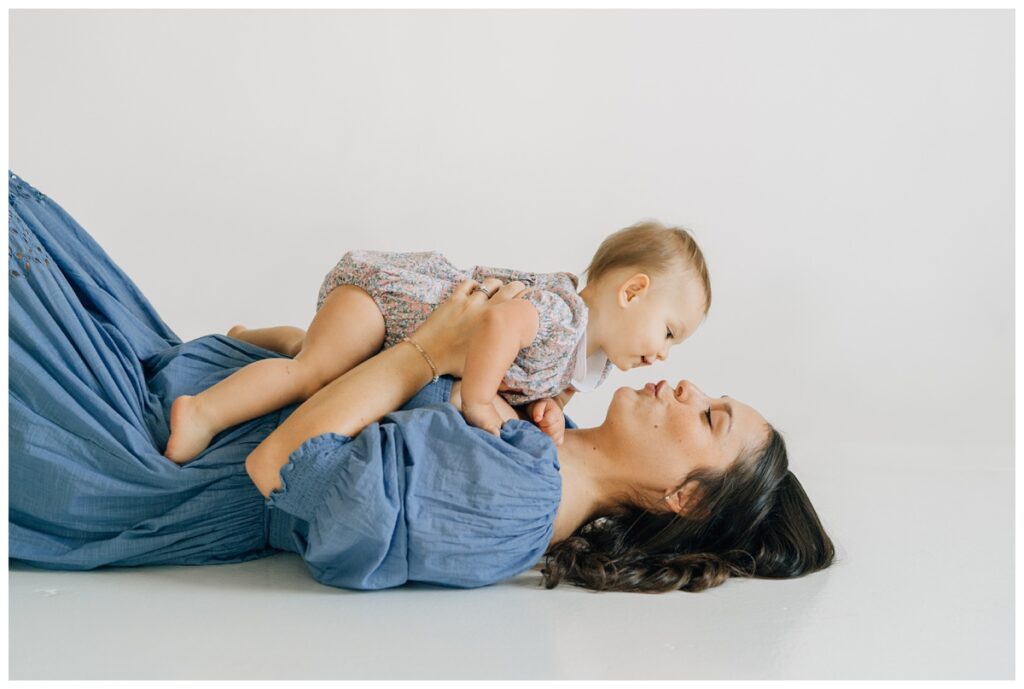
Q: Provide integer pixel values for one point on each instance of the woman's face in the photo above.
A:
(665, 432)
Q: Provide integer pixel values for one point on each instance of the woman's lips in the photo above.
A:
(655, 388)
(651, 388)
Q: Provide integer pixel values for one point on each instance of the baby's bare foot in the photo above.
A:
(236, 330)
(190, 434)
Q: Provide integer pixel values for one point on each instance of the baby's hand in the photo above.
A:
(549, 418)
(483, 416)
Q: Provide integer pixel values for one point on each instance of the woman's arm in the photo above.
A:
(379, 385)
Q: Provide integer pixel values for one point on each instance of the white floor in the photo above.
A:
(923, 589)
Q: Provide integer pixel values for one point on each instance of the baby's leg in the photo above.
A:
(347, 330)
(283, 339)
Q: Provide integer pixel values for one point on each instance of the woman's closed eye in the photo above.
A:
(707, 413)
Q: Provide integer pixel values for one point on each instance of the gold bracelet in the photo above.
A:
(429, 361)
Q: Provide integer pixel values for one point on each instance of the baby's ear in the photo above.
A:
(635, 286)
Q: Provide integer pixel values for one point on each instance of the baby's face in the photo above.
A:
(652, 322)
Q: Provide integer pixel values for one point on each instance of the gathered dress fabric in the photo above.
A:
(419, 496)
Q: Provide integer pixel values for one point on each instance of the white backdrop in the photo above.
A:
(848, 175)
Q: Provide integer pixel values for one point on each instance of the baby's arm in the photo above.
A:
(564, 396)
(505, 410)
(506, 328)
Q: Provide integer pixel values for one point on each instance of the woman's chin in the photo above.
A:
(623, 401)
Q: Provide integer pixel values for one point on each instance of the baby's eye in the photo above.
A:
(668, 334)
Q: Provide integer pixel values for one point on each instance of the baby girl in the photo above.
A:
(647, 290)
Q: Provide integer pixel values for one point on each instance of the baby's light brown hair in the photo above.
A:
(650, 245)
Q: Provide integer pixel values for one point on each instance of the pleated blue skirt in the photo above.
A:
(93, 373)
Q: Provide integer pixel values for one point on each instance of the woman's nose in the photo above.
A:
(683, 390)
(686, 391)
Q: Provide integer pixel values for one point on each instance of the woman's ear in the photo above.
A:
(687, 501)
(634, 287)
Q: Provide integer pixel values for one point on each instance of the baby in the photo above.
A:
(647, 290)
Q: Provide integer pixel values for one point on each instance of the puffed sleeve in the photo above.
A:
(421, 496)
(347, 496)
(479, 509)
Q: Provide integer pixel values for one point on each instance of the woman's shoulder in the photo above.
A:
(422, 496)
(479, 508)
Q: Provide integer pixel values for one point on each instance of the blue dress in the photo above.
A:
(419, 496)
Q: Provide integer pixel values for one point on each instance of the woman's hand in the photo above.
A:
(448, 331)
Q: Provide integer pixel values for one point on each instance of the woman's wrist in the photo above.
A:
(414, 368)
(431, 350)
(426, 357)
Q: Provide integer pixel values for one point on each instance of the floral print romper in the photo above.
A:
(408, 286)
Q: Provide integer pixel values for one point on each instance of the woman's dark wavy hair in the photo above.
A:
(753, 520)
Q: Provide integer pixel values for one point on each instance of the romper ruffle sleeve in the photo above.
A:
(544, 368)
(540, 370)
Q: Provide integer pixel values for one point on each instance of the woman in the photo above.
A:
(673, 491)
